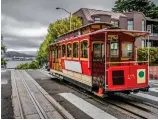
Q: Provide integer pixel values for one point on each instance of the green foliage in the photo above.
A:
(153, 13)
(32, 65)
(143, 54)
(3, 50)
(145, 6)
(3, 47)
(3, 61)
(54, 31)
(23, 66)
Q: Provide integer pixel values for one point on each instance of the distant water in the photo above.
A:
(13, 64)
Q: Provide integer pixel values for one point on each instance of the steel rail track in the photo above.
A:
(103, 101)
(99, 100)
(138, 100)
(18, 97)
(141, 105)
(61, 111)
(39, 109)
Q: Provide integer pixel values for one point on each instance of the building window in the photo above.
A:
(148, 44)
(115, 23)
(97, 19)
(130, 25)
(75, 49)
(127, 50)
(69, 49)
(143, 25)
(149, 27)
(143, 43)
(84, 49)
(63, 50)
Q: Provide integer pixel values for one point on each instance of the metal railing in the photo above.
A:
(153, 34)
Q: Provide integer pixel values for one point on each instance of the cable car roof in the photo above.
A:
(134, 33)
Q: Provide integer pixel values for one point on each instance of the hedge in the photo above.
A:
(153, 55)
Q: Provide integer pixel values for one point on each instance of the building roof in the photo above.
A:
(153, 20)
(91, 12)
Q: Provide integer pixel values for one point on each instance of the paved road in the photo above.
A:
(77, 103)
(6, 103)
(82, 104)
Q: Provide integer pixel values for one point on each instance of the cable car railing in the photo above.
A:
(127, 62)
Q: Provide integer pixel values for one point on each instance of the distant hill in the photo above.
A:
(16, 54)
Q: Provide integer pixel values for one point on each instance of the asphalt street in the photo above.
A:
(81, 104)
(56, 88)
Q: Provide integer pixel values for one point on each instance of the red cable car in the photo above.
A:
(100, 58)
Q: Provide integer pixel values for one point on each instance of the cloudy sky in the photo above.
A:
(24, 23)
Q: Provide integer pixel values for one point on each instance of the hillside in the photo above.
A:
(16, 54)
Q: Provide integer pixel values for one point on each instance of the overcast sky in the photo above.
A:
(24, 23)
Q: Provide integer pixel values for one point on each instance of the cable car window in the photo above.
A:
(63, 50)
(84, 49)
(75, 49)
(103, 49)
(114, 50)
(69, 49)
(127, 50)
(53, 53)
(98, 50)
(59, 51)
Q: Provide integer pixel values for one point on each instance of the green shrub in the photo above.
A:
(32, 65)
(3, 61)
(143, 54)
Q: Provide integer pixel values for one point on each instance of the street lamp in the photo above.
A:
(67, 12)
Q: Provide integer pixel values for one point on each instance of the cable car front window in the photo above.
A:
(127, 50)
(98, 50)
(114, 49)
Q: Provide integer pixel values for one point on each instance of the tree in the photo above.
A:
(3, 47)
(145, 6)
(153, 13)
(3, 61)
(54, 31)
(3, 50)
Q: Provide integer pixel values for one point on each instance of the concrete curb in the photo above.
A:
(59, 108)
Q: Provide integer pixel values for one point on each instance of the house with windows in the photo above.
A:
(129, 20)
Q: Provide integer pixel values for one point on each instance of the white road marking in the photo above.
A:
(3, 70)
(156, 84)
(153, 81)
(86, 107)
(153, 89)
(150, 97)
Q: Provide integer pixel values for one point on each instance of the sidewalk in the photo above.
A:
(31, 101)
(153, 72)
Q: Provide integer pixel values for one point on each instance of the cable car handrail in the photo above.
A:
(127, 62)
